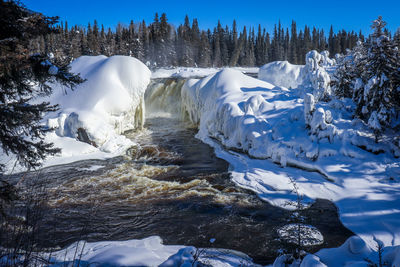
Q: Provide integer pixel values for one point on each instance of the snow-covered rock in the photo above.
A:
(109, 102)
(92, 117)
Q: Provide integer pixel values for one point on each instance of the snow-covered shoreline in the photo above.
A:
(271, 125)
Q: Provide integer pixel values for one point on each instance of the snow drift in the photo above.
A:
(312, 77)
(282, 73)
(109, 102)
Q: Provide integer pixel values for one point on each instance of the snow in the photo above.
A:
(282, 73)
(283, 135)
(149, 251)
(109, 102)
(110, 97)
(272, 131)
(309, 235)
(191, 72)
(312, 76)
(142, 252)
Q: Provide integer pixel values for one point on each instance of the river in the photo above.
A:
(170, 184)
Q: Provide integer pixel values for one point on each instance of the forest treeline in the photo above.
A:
(162, 44)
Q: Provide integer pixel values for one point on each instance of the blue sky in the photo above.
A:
(348, 15)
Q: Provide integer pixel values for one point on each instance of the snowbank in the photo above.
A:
(151, 252)
(144, 252)
(354, 252)
(282, 73)
(92, 117)
(312, 77)
(109, 102)
(335, 156)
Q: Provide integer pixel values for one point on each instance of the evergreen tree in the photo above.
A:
(184, 44)
(217, 61)
(396, 38)
(144, 46)
(293, 44)
(381, 79)
(234, 46)
(162, 45)
(195, 40)
(204, 51)
(165, 50)
(348, 69)
(331, 42)
(21, 133)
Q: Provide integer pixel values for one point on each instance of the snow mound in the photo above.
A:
(312, 77)
(137, 252)
(109, 102)
(354, 252)
(282, 73)
(149, 251)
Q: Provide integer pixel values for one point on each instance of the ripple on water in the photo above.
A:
(133, 183)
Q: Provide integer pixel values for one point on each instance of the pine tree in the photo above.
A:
(161, 44)
(21, 133)
(396, 38)
(267, 48)
(195, 40)
(381, 78)
(204, 51)
(217, 61)
(234, 47)
(293, 44)
(275, 45)
(345, 75)
(165, 50)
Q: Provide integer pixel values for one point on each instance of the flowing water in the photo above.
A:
(172, 185)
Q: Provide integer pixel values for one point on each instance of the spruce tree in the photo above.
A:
(217, 61)
(396, 38)
(24, 76)
(293, 44)
(204, 51)
(381, 76)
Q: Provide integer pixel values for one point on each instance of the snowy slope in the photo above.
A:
(332, 152)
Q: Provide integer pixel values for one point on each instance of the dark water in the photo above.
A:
(170, 185)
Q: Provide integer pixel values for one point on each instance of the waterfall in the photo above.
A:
(163, 97)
